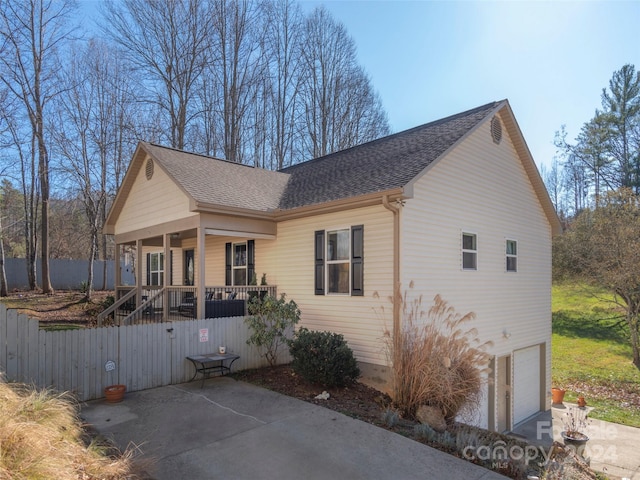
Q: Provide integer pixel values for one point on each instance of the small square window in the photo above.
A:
(469, 251)
(512, 255)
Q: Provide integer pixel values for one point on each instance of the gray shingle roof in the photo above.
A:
(219, 182)
(383, 164)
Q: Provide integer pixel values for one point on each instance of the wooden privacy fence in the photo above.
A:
(145, 356)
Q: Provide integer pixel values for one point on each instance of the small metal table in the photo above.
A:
(211, 363)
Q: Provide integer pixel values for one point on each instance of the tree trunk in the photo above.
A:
(92, 256)
(3, 274)
(43, 171)
(632, 321)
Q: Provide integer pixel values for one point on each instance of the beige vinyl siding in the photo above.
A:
(177, 264)
(215, 260)
(482, 188)
(359, 319)
(152, 202)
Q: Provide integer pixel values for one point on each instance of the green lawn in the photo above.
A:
(592, 356)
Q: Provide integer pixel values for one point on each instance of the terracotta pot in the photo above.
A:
(115, 393)
(557, 395)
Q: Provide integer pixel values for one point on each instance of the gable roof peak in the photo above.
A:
(383, 164)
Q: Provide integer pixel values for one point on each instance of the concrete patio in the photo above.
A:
(235, 430)
(612, 448)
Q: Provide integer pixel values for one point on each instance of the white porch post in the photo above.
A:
(200, 282)
(138, 272)
(167, 274)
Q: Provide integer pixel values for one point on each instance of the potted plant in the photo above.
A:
(557, 395)
(115, 393)
(575, 423)
(253, 282)
(263, 282)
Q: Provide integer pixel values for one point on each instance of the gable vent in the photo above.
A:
(496, 130)
(148, 169)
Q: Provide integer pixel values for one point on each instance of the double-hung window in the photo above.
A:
(239, 263)
(512, 255)
(240, 260)
(339, 261)
(469, 251)
(155, 268)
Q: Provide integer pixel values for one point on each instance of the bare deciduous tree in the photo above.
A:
(283, 48)
(15, 145)
(340, 107)
(602, 248)
(92, 135)
(32, 32)
(167, 41)
(237, 67)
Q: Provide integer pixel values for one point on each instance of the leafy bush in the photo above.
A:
(271, 321)
(436, 361)
(323, 358)
(108, 301)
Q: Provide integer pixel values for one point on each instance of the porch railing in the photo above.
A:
(176, 303)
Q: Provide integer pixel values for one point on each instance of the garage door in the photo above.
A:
(526, 383)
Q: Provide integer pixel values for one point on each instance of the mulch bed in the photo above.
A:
(356, 400)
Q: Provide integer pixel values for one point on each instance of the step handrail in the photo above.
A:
(143, 306)
(121, 301)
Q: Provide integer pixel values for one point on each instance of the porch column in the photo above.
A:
(117, 280)
(138, 273)
(200, 277)
(167, 274)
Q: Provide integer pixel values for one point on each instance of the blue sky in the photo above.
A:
(431, 59)
(551, 60)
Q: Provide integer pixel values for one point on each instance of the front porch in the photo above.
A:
(181, 303)
(187, 274)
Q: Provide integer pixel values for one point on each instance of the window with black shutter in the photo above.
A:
(339, 261)
(240, 262)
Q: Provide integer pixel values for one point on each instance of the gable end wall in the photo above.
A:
(482, 188)
(152, 202)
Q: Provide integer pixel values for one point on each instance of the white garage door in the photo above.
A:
(526, 383)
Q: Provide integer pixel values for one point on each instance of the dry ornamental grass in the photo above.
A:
(437, 360)
(41, 437)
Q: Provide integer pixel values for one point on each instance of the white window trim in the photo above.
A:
(328, 262)
(463, 250)
(508, 255)
(159, 271)
(235, 267)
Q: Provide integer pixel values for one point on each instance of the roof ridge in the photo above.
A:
(209, 157)
(394, 135)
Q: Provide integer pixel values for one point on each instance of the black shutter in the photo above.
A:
(251, 260)
(357, 260)
(148, 269)
(319, 262)
(227, 261)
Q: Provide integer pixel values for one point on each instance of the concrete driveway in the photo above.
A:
(235, 430)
